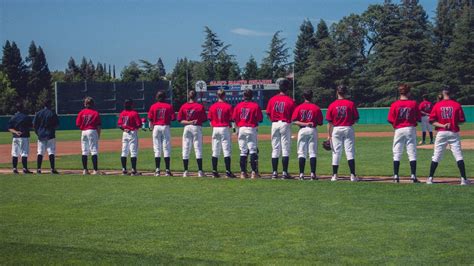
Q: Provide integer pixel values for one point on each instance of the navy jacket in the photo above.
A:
(45, 123)
(21, 122)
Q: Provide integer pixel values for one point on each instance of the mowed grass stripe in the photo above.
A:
(75, 219)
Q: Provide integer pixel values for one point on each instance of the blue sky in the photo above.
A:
(118, 32)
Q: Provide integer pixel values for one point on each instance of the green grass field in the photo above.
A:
(148, 220)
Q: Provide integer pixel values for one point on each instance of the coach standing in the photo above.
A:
(425, 110)
(45, 123)
(20, 125)
(192, 115)
(279, 110)
(247, 115)
(341, 115)
(88, 121)
(160, 115)
(446, 116)
(220, 116)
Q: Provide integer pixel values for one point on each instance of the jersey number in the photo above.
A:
(279, 107)
(244, 113)
(404, 113)
(446, 112)
(341, 111)
(306, 115)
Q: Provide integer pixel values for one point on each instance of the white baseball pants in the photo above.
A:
(307, 142)
(342, 136)
(443, 138)
(192, 136)
(425, 124)
(162, 140)
(90, 142)
(281, 139)
(130, 144)
(47, 145)
(221, 140)
(247, 140)
(405, 136)
(20, 147)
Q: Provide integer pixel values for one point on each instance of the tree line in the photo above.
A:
(371, 53)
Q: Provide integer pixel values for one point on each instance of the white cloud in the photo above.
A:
(248, 32)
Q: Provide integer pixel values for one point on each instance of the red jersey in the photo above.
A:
(247, 114)
(220, 114)
(342, 112)
(448, 111)
(404, 113)
(88, 119)
(308, 112)
(192, 111)
(425, 106)
(161, 114)
(280, 108)
(129, 119)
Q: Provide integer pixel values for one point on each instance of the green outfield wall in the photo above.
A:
(367, 116)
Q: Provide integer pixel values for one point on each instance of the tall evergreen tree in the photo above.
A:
(149, 71)
(274, 64)
(181, 77)
(14, 67)
(161, 68)
(447, 14)
(8, 95)
(303, 46)
(227, 68)
(212, 48)
(131, 72)
(458, 67)
(251, 69)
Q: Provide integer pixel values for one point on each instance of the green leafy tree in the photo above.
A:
(458, 67)
(448, 13)
(181, 77)
(149, 71)
(212, 49)
(8, 95)
(251, 69)
(227, 67)
(14, 67)
(131, 72)
(274, 64)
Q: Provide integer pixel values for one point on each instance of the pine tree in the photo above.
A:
(8, 95)
(226, 67)
(458, 67)
(113, 73)
(303, 46)
(72, 72)
(447, 14)
(161, 68)
(251, 69)
(212, 48)
(44, 89)
(274, 64)
(14, 67)
(131, 73)
(180, 80)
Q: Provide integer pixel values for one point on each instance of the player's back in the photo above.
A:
(308, 112)
(192, 111)
(220, 114)
(21, 122)
(88, 119)
(45, 123)
(342, 112)
(404, 113)
(161, 113)
(247, 114)
(280, 108)
(448, 111)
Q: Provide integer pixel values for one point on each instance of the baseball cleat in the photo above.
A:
(429, 181)
(414, 179)
(26, 171)
(285, 175)
(38, 172)
(274, 175)
(85, 172)
(15, 171)
(200, 173)
(421, 143)
(168, 173)
(313, 176)
(354, 178)
(396, 179)
(54, 172)
(215, 174)
(464, 182)
(185, 173)
(431, 142)
(301, 177)
(254, 175)
(135, 173)
(334, 178)
(124, 172)
(95, 172)
(157, 172)
(229, 175)
(243, 175)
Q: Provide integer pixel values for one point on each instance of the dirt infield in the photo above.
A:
(378, 179)
(74, 147)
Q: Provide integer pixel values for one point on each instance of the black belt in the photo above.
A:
(306, 127)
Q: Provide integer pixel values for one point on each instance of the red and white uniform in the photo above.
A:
(192, 134)
(342, 113)
(426, 107)
(447, 111)
(129, 121)
(160, 116)
(279, 109)
(247, 116)
(220, 116)
(88, 120)
(308, 136)
(404, 115)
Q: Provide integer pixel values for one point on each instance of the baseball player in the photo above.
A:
(446, 116)
(160, 116)
(220, 116)
(45, 123)
(247, 115)
(129, 121)
(19, 125)
(425, 110)
(192, 115)
(88, 121)
(341, 115)
(403, 115)
(307, 116)
(279, 110)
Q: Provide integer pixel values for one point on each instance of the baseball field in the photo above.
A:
(74, 219)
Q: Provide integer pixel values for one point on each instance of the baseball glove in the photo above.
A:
(327, 145)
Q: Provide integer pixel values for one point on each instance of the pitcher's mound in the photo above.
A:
(466, 144)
